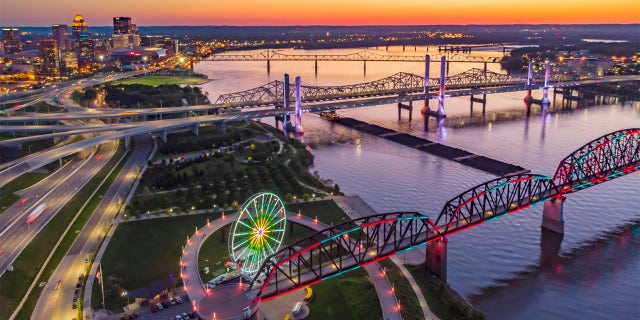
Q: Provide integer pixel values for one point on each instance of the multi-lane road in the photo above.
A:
(54, 192)
(58, 303)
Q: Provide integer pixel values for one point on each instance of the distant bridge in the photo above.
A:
(275, 55)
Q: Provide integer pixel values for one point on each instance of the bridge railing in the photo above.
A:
(607, 157)
(493, 199)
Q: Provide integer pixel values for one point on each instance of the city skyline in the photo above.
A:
(328, 12)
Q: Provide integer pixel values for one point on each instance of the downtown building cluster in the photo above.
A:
(64, 54)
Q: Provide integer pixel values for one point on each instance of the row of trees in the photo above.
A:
(134, 95)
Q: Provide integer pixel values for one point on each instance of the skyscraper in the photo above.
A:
(85, 51)
(78, 27)
(11, 41)
(121, 25)
(61, 35)
(48, 62)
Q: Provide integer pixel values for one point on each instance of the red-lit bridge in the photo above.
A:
(354, 244)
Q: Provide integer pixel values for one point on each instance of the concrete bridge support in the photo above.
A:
(406, 107)
(268, 66)
(425, 90)
(196, 129)
(163, 136)
(482, 100)
(436, 258)
(441, 113)
(552, 215)
(298, 112)
(550, 243)
(545, 89)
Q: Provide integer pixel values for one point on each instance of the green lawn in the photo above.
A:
(350, 296)
(159, 241)
(144, 251)
(158, 80)
(7, 196)
(409, 304)
(327, 211)
(434, 292)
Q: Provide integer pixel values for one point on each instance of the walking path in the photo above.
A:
(356, 207)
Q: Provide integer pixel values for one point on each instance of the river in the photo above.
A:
(497, 266)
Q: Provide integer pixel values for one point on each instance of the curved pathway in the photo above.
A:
(196, 291)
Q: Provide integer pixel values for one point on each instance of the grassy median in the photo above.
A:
(7, 193)
(14, 285)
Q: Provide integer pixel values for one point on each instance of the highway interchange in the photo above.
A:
(93, 152)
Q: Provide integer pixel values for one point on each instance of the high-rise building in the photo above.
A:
(61, 35)
(48, 62)
(68, 63)
(120, 41)
(78, 27)
(122, 25)
(85, 50)
(11, 41)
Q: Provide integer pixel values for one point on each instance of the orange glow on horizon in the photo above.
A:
(320, 12)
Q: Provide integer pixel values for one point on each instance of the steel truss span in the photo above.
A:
(400, 83)
(274, 55)
(493, 199)
(353, 244)
(340, 249)
(608, 157)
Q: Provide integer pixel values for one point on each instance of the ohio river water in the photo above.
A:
(497, 266)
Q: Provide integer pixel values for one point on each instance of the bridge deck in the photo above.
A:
(479, 162)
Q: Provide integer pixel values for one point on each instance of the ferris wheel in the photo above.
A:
(257, 232)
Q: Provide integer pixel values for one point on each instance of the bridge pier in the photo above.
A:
(316, 67)
(443, 64)
(482, 100)
(365, 65)
(528, 99)
(425, 107)
(268, 66)
(552, 215)
(436, 258)
(406, 107)
(163, 136)
(550, 243)
(298, 111)
(545, 89)
(196, 129)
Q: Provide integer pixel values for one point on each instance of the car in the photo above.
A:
(78, 284)
(178, 299)
(166, 304)
(172, 301)
(75, 299)
(153, 308)
(76, 291)
(178, 317)
(185, 316)
(192, 315)
(74, 306)
(58, 285)
(159, 306)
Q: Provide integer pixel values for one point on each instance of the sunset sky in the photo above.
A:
(318, 12)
